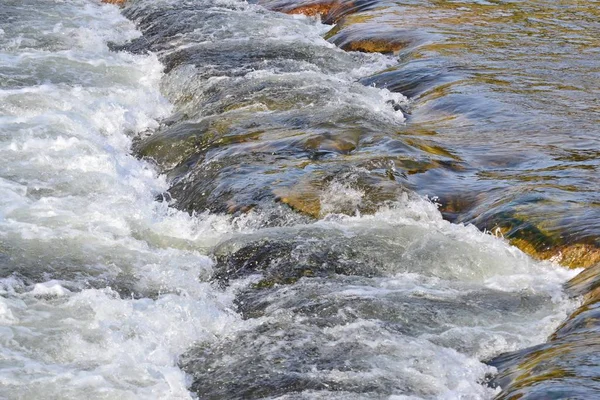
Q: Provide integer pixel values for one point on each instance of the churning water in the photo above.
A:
(217, 206)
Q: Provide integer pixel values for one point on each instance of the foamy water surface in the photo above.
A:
(106, 292)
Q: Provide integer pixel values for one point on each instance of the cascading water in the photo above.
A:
(97, 298)
(218, 205)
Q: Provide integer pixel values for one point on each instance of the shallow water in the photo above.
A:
(522, 110)
(210, 199)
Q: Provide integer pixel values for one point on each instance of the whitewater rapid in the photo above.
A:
(80, 230)
(103, 288)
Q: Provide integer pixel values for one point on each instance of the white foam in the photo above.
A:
(340, 197)
(50, 288)
(78, 206)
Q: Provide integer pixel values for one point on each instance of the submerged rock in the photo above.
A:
(369, 32)
(284, 261)
(532, 221)
(309, 8)
(369, 38)
(344, 8)
(577, 255)
(331, 11)
(554, 243)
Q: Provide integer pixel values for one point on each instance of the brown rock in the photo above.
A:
(321, 9)
(344, 8)
(362, 32)
(577, 255)
(302, 197)
(374, 46)
(309, 7)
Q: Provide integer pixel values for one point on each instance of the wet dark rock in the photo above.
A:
(277, 360)
(555, 370)
(212, 54)
(284, 261)
(586, 282)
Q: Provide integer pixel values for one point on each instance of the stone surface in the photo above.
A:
(308, 8)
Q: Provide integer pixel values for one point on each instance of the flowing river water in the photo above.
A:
(221, 199)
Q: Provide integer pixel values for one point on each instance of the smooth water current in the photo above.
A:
(211, 199)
